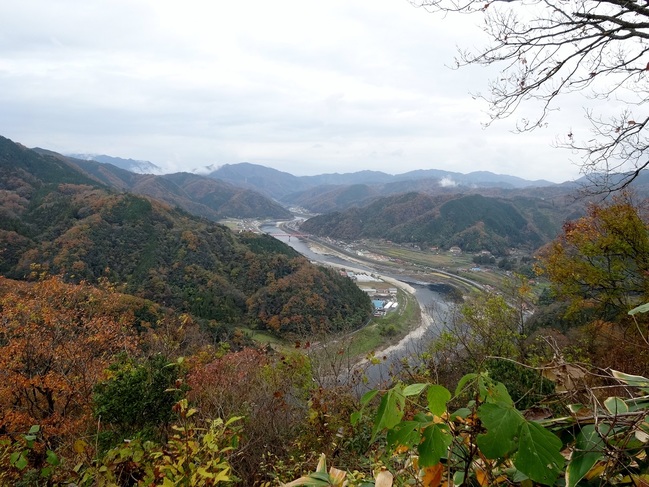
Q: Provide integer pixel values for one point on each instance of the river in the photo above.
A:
(392, 357)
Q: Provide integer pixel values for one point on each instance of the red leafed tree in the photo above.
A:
(55, 341)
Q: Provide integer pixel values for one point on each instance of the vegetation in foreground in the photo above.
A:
(104, 388)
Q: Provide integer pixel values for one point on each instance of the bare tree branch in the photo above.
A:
(547, 49)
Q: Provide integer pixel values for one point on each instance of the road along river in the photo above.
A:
(392, 357)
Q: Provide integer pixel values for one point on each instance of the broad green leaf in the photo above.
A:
(615, 405)
(539, 453)
(492, 391)
(463, 383)
(503, 423)
(322, 476)
(414, 389)
(497, 392)
(632, 380)
(462, 413)
(458, 478)
(643, 308)
(422, 417)
(437, 397)
(390, 411)
(589, 449)
(405, 433)
(34, 429)
(368, 396)
(309, 481)
(436, 440)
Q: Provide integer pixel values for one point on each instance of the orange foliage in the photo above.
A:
(433, 475)
(55, 341)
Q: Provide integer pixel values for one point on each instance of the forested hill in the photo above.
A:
(199, 195)
(472, 222)
(57, 220)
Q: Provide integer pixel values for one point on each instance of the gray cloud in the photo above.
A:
(307, 88)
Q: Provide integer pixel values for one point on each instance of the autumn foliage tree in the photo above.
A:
(599, 270)
(602, 259)
(269, 390)
(55, 341)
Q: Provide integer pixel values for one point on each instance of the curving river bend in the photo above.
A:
(391, 357)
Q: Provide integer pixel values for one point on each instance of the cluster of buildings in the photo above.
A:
(384, 299)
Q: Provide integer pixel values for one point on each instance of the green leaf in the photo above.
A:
(52, 458)
(323, 476)
(34, 429)
(632, 380)
(19, 460)
(497, 392)
(503, 423)
(615, 405)
(436, 440)
(368, 396)
(643, 308)
(589, 449)
(405, 433)
(413, 389)
(463, 383)
(458, 478)
(390, 410)
(539, 453)
(461, 413)
(437, 397)
(354, 418)
(309, 481)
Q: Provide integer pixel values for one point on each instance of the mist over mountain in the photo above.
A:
(132, 165)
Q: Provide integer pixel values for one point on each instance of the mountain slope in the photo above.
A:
(56, 219)
(199, 195)
(310, 192)
(472, 222)
(267, 181)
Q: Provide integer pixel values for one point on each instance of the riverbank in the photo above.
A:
(414, 336)
(390, 346)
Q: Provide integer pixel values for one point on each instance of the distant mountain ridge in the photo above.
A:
(329, 192)
(199, 195)
(266, 178)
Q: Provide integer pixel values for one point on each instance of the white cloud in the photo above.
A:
(447, 183)
(305, 87)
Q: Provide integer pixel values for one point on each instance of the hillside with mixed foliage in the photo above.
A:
(282, 185)
(472, 222)
(199, 195)
(60, 221)
(123, 362)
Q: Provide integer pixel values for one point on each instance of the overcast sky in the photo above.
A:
(301, 86)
